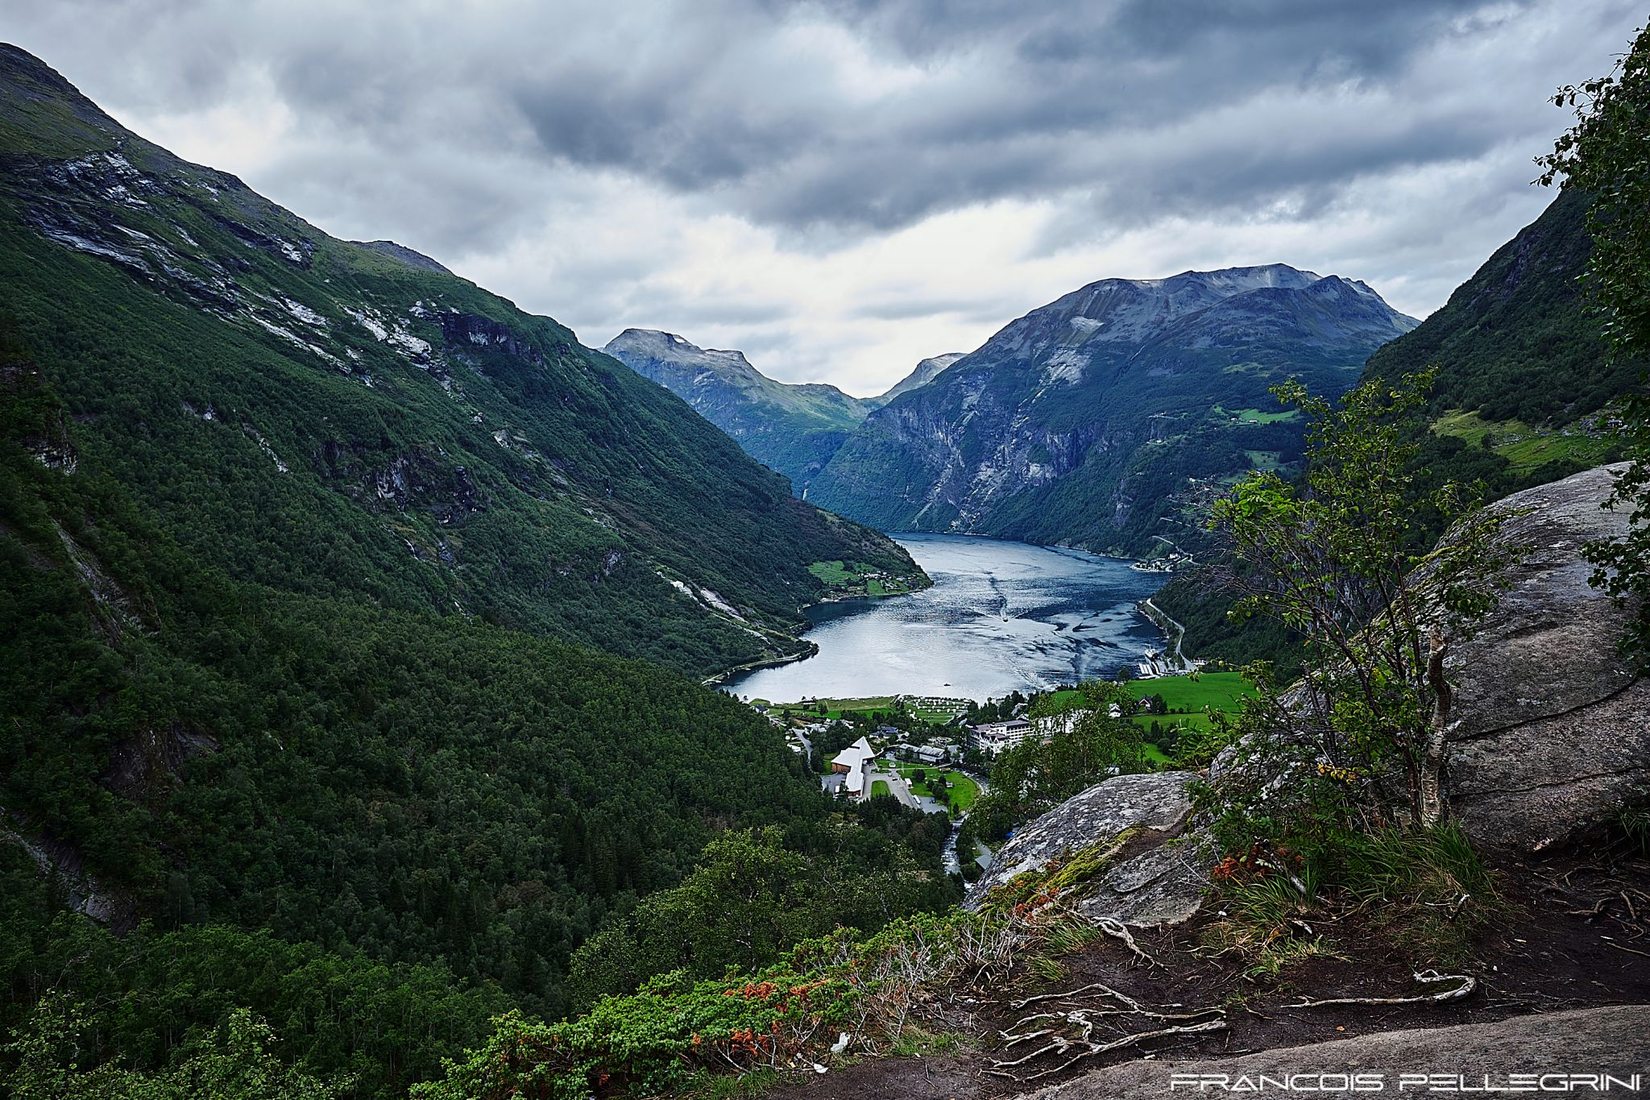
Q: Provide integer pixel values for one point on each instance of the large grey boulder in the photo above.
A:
(1153, 882)
(1587, 1041)
(1555, 725)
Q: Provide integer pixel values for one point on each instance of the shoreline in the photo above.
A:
(847, 606)
(1174, 643)
(718, 678)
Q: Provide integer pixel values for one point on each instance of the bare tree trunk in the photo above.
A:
(1429, 793)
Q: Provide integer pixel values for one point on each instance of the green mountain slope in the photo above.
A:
(344, 419)
(1104, 419)
(792, 429)
(1524, 375)
(296, 538)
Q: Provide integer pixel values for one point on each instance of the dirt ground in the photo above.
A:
(1565, 934)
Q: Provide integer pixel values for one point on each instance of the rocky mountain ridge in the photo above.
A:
(792, 428)
(1100, 418)
(924, 373)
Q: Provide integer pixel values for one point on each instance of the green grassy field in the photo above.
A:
(834, 708)
(963, 789)
(880, 787)
(834, 573)
(1190, 694)
(1266, 461)
(1254, 416)
(1196, 690)
(848, 578)
(1526, 448)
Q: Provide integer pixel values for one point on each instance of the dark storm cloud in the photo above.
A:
(753, 165)
(944, 105)
(1031, 99)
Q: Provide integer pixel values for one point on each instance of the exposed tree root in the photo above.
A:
(1116, 930)
(1069, 1032)
(1466, 983)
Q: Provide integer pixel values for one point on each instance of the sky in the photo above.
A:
(841, 188)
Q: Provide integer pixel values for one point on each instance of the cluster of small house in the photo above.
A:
(852, 767)
(851, 770)
(1168, 563)
(993, 738)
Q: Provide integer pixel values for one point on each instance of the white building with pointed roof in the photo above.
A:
(853, 762)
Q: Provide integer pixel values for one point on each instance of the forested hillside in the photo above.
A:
(305, 544)
(1524, 379)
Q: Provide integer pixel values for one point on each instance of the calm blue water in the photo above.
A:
(1001, 617)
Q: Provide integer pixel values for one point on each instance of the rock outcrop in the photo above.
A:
(1589, 1041)
(1159, 877)
(1555, 724)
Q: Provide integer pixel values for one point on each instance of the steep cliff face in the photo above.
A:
(1100, 416)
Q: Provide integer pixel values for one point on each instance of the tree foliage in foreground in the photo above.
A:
(1607, 152)
(235, 1062)
(756, 894)
(1329, 558)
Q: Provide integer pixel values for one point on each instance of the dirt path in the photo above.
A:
(1565, 938)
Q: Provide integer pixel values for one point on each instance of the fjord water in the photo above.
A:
(1001, 617)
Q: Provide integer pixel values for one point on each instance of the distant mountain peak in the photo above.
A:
(794, 429)
(925, 372)
(1096, 417)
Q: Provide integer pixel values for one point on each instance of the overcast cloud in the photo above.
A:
(842, 188)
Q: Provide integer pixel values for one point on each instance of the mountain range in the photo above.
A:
(1094, 419)
(790, 428)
